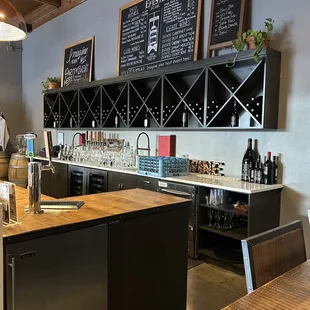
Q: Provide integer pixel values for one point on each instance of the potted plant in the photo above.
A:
(51, 83)
(255, 39)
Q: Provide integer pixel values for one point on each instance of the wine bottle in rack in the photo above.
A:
(146, 121)
(234, 120)
(116, 121)
(185, 117)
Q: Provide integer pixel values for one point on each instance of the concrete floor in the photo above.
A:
(212, 288)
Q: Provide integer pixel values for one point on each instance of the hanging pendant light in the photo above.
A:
(12, 24)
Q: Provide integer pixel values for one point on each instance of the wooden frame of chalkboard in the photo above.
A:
(129, 5)
(89, 72)
(241, 24)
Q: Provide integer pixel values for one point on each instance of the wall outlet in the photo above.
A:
(60, 138)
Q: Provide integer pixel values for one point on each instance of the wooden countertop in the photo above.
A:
(112, 206)
(287, 292)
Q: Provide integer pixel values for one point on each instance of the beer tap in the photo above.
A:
(35, 169)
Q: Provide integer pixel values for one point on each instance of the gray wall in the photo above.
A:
(43, 53)
(11, 88)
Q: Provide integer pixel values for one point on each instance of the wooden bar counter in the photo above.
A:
(121, 250)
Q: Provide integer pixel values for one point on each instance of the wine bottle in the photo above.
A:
(116, 121)
(258, 171)
(185, 117)
(252, 172)
(267, 169)
(247, 159)
(146, 121)
(274, 171)
(234, 120)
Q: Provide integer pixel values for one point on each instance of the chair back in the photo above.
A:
(272, 253)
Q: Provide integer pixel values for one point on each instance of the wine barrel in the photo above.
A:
(4, 166)
(18, 170)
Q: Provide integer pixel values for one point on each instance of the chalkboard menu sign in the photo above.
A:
(157, 33)
(78, 62)
(226, 22)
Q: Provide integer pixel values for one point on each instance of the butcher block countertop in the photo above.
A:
(104, 208)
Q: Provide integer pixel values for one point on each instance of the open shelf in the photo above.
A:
(225, 208)
(206, 88)
(237, 233)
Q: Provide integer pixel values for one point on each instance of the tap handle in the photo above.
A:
(48, 144)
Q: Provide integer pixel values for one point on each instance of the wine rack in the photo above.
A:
(209, 91)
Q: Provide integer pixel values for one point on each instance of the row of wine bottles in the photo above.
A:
(256, 171)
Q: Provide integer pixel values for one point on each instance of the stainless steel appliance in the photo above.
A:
(189, 192)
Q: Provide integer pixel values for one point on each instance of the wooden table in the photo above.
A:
(287, 292)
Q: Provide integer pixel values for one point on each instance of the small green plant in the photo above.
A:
(48, 80)
(258, 36)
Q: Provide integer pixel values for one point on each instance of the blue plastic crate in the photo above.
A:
(163, 166)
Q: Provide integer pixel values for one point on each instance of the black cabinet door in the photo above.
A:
(147, 183)
(64, 271)
(77, 180)
(114, 181)
(120, 181)
(55, 184)
(129, 181)
(97, 181)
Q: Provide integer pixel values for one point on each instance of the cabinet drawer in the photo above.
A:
(150, 184)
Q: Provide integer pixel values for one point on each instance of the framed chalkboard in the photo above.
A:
(157, 33)
(78, 62)
(226, 23)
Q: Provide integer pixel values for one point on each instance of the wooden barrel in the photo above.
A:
(18, 170)
(4, 166)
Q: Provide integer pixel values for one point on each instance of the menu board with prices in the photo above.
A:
(157, 33)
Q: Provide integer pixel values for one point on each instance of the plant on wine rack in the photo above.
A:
(256, 39)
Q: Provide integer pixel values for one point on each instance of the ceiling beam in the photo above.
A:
(45, 13)
(56, 3)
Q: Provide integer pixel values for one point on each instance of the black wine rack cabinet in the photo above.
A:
(206, 89)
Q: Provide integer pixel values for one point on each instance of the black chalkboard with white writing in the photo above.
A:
(157, 33)
(78, 62)
(226, 22)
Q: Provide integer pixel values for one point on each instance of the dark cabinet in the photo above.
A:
(150, 184)
(121, 181)
(84, 181)
(55, 184)
(55, 272)
(96, 181)
(209, 90)
(77, 181)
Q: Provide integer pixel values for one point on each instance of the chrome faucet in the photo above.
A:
(148, 149)
(34, 172)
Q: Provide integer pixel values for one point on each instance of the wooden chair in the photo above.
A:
(272, 253)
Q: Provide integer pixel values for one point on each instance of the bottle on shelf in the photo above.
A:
(247, 159)
(267, 169)
(258, 171)
(185, 117)
(252, 172)
(274, 170)
(234, 120)
(146, 121)
(116, 121)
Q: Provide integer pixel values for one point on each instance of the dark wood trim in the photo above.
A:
(56, 3)
(273, 233)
